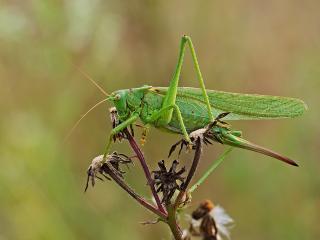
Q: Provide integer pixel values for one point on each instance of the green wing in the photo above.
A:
(243, 106)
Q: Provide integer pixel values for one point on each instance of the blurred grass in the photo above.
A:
(243, 46)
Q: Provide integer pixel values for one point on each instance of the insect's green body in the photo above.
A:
(183, 110)
(148, 100)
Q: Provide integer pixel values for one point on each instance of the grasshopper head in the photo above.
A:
(127, 101)
(119, 100)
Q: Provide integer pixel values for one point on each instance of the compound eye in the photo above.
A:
(117, 97)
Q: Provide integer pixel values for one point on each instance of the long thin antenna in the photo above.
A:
(77, 123)
(91, 80)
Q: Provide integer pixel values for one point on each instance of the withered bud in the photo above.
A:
(167, 181)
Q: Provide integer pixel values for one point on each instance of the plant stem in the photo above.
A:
(172, 209)
(172, 222)
(132, 193)
(215, 164)
(145, 168)
(194, 165)
(191, 173)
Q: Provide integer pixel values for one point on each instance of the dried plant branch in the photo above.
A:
(113, 174)
(193, 168)
(173, 223)
(109, 168)
(194, 165)
(173, 209)
(146, 170)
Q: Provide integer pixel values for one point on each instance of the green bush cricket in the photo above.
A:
(183, 110)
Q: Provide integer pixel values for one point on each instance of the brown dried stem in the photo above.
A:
(146, 170)
(112, 173)
(191, 173)
(172, 210)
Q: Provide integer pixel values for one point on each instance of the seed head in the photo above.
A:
(167, 181)
(101, 165)
(210, 222)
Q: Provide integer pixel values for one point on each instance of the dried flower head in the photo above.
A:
(166, 181)
(209, 222)
(115, 122)
(205, 134)
(101, 165)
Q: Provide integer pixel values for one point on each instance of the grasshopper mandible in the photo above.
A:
(183, 110)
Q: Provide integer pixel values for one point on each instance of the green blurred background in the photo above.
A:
(267, 47)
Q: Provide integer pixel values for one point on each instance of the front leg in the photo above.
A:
(118, 129)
